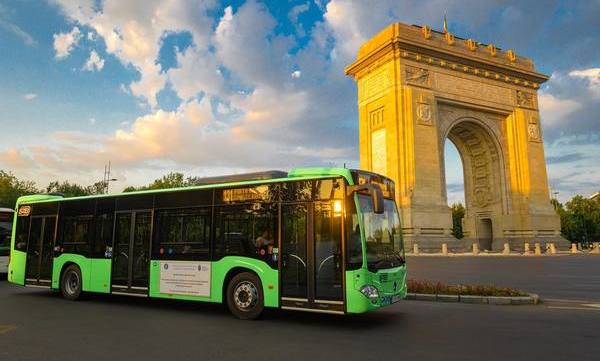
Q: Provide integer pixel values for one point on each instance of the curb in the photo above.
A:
(530, 299)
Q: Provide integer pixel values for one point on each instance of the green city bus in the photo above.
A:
(313, 239)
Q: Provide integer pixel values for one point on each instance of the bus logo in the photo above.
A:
(24, 211)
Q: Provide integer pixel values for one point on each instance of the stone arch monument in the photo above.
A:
(417, 88)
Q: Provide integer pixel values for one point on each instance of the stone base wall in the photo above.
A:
(434, 244)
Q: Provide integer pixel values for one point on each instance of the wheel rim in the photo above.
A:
(245, 296)
(72, 283)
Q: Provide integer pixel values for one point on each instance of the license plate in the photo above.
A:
(388, 300)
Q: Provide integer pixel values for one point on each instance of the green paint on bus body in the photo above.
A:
(16, 267)
(101, 269)
(391, 284)
(219, 270)
(61, 262)
(314, 173)
(95, 272)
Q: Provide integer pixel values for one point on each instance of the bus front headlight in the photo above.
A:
(370, 292)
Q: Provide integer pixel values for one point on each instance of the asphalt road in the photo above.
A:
(39, 325)
(557, 277)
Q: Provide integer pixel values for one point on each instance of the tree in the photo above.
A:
(580, 220)
(74, 190)
(171, 180)
(12, 188)
(458, 213)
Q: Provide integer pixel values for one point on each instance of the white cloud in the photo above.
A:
(92, 121)
(555, 111)
(591, 75)
(293, 16)
(246, 45)
(151, 82)
(198, 112)
(16, 30)
(223, 108)
(65, 42)
(94, 62)
(132, 31)
(197, 71)
(296, 74)
(30, 96)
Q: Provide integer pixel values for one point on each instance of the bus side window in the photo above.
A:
(104, 223)
(247, 230)
(75, 234)
(182, 234)
(21, 234)
(103, 240)
(76, 226)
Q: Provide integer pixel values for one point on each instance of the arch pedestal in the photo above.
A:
(417, 88)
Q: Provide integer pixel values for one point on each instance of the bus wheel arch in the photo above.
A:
(244, 293)
(71, 281)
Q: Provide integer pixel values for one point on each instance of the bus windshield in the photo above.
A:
(382, 234)
(5, 228)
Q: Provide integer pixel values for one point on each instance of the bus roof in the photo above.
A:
(255, 178)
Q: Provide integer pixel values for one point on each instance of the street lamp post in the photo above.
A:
(107, 179)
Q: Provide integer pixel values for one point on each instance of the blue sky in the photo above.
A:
(206, 87)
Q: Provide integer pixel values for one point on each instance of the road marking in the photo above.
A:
(7, 328)
(595, 305)
(575, 308)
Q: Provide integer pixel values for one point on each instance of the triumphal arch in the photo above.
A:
(417, 88)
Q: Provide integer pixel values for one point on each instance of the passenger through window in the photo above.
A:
(247, 230)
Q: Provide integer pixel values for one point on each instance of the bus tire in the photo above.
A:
(245, 297)
(71, 283)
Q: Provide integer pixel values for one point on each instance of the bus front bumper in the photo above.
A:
(389, 283)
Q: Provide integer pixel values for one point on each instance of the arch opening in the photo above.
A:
(480, 162)
(455, 187)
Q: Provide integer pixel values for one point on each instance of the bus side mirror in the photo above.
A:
(376, 195)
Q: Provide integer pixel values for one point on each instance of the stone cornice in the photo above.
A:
(420, 44)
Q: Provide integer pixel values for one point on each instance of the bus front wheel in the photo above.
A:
(70, 283)
(245, 297)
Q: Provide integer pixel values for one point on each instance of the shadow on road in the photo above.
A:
(215, 311)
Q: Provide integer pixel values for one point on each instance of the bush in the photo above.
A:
(465, 290)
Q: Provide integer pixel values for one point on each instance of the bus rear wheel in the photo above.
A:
(245, 297)
(70, 283)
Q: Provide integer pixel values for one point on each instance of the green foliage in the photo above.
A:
(74, 190)
(439, 288)
(580, 220)
(458, 213)
(171, 180)
(12, 188)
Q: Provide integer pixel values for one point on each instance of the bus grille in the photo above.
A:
(383, 277)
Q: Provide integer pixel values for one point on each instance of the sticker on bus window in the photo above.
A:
(24, 211)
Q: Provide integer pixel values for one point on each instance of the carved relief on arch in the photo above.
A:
(450, 115)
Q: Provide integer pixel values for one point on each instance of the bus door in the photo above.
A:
(131, 252)
(311, 262)
(38, 267)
